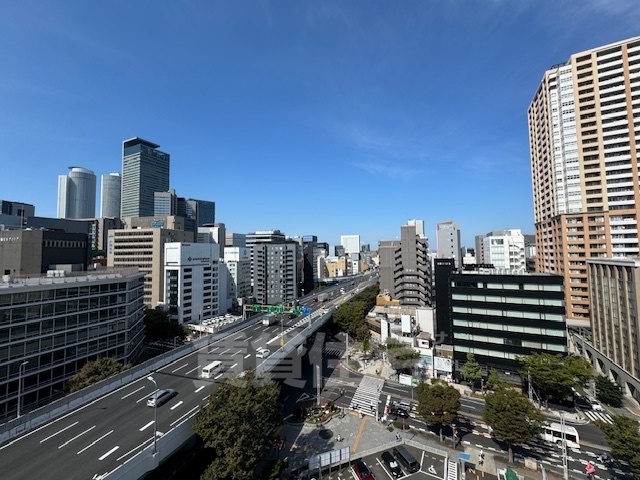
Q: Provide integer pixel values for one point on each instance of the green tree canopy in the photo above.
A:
(512, 417)
(401, 356)
(494, 380)
(351, 315)
(608, 392)
(438, 403)
(94, 371)
(234, 424)
(554, 375)
(471, 370)
(158, 326)
(623, 437)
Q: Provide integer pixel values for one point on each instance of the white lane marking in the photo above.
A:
(177, 405)
(131, 393)
(134, 449)
(146, 426)
(470, 407)
(94, 442)
(257, 327)
(247, 355)
(109, 453)
(192, 370)
(199, 388)
(77, 436)
(222, 353)
(59, 431)
(190, 412)
(239, 352)
(233, 366)
(180, 368)
(218, 376)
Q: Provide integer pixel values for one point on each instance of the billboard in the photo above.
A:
(442, 364)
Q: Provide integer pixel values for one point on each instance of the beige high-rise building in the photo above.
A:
(144, 248)
(583, 123)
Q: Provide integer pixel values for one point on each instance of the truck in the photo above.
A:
(323, 297)
(269, 319)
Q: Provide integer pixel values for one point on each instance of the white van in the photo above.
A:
(212, 369)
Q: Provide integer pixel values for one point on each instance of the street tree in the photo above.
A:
(512, 417)
(494, 380)
(351, 315)
(555, 375)
(471, 370)
(608, 392)
(438, 404)
(94, 371)
(234, 424)
(623, 437)
(401, 356)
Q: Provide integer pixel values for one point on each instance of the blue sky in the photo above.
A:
(312, 117)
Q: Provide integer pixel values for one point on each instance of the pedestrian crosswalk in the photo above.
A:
(365, 400)
(595, 416)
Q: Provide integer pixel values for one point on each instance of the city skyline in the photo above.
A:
(404, 106)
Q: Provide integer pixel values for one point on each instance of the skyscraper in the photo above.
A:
(145, 170)
(583, 122)
(77, 194)
(110, 192)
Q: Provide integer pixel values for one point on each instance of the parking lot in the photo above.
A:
(431, 465)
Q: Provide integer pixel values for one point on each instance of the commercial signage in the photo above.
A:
(442, 364)
(157, 224)
(307, 238)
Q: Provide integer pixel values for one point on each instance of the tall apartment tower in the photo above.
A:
(405, 268)
(275, 272)
(583, 123)
(145, 170)
(110, 193)
(77, 194)
(448, 241)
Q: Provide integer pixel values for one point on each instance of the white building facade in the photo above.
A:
(237, 261)
(505, 250)
(193, 284)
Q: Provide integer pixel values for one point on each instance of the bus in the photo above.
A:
(212, 369)
(553, 433)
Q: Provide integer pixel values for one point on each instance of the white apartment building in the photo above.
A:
(237, 261)
(193, 284)
(505, 250)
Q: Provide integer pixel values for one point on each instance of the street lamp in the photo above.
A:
(20, 369)
(155, 416)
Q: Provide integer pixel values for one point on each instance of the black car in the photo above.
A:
(399, 412)
(391, 464)
(291, 315)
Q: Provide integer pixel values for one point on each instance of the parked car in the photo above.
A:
(595, 405)
(362, 471)
(391, 464)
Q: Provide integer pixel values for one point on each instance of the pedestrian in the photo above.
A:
(481, 457)
(590, 469)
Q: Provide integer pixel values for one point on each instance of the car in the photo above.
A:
(262, 352)
(315, 299)
(593, 403)
(362, 471)
(399, 412)
(391, 464)
(160, 397)
(291, 315)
